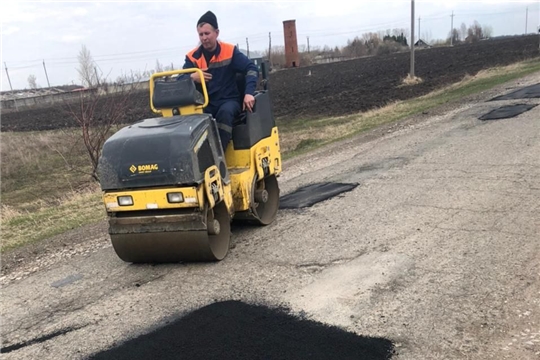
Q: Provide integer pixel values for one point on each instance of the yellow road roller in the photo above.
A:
(169, 189)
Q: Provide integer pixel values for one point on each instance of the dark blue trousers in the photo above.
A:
(224, 112)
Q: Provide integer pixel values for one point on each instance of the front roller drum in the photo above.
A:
(188, 239)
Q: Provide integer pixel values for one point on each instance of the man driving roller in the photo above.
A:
(220, 62)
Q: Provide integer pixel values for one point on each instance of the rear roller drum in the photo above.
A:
(265, 195)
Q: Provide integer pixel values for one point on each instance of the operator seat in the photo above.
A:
(241, 85)
(250, 127)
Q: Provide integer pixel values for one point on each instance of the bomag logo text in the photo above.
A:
(152, 167)
(144, 168)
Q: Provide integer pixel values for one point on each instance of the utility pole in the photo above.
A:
(526, 19)
(419, 34)
(308, 44)
(269, 45)
(412, 39)
(11, 87)
(452, 29)
(47, 76)
(97, 78)
(247, 44)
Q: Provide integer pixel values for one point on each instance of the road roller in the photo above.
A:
(169, 189)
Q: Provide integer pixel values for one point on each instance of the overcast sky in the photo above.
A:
(125, 36)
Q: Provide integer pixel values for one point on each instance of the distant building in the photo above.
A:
(328, 58)
(32, 93)
(255, 56)
(421, 44)
(258, 61)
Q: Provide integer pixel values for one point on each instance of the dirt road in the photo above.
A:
(436, 251)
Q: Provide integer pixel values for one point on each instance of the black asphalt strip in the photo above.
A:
(311, 194)
(528, 92)
(236, 330)
(505, 112)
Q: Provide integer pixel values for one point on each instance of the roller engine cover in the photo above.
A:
(161, 152)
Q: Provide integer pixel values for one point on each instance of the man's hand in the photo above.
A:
(249, 101)
(195, 76)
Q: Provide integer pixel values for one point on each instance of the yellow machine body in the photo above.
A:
(146, 226)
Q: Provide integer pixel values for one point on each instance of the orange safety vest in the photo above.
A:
(222, 57)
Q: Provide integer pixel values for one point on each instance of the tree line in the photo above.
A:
(378, 43)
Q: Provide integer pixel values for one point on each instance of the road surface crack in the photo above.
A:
(13, 347)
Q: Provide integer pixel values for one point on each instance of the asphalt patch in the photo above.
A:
(236, 330)
(529, 92)
(506, 112)
(311, 194)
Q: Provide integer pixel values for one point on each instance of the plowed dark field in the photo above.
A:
(338, 88)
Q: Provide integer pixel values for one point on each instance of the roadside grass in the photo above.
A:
(45, 186)
(41, 166)
(74, 210)
(303, 135)
(46, 189)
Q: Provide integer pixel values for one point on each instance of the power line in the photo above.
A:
(108, 56)
(364, 28)
(314, 33)
(141, 55)
(518, 11)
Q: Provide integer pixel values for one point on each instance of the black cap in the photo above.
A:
(208, 18)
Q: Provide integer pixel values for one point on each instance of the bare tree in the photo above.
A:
(371, 41)
(439, 42)
(159, 67)
(475, 32)
(427, 36)
(277, 56)
(453, 37)
(487, 31)
(99, 116)
(32, 81)
(86, 67)
(463, 32)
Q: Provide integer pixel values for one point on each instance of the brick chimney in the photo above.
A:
(292, 59)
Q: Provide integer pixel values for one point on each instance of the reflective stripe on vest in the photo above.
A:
(224, 57)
